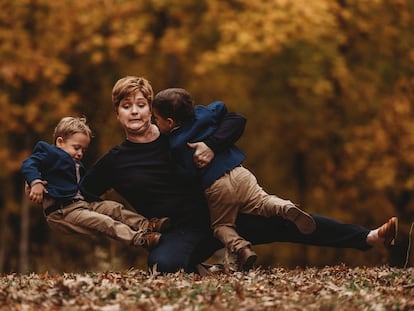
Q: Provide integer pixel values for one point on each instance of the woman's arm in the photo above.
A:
(96, 182)
(228, 132)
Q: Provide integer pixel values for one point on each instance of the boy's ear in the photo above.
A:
(171, 123)
(59, 141)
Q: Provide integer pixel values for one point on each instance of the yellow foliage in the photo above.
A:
(326, 86)
(267, 26)
(173, 42)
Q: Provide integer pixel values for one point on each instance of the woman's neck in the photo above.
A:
(151, 134)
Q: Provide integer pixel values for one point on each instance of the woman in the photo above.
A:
(140, 169)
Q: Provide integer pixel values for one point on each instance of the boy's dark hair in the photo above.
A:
(174, 103)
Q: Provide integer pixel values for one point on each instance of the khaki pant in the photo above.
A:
(234, 193)
(107, 218)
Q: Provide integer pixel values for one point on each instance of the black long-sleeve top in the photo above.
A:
(144, 174)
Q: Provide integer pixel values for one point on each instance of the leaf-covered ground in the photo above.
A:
(330, 288)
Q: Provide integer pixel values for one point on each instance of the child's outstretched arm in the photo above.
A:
(36, 191)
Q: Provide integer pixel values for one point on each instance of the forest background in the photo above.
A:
(327, 88)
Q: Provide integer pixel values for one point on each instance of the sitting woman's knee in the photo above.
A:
(164, 264)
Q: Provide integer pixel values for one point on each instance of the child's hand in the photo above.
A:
(202, 154)
(37, 191)
(26, 189)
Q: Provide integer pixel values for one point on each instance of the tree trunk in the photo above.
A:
(24, 236)
(300, 172)
(3, 234)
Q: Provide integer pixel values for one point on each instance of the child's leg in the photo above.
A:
(255, 201)
(230, 238)
(222, 203)
(78, 218)
(133, 219)
(117, 211)
(223, 214)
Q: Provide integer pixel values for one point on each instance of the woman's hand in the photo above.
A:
(202, 154)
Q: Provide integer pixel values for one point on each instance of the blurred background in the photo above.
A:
(327, 87)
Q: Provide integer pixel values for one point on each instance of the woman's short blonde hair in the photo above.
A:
(128, 85)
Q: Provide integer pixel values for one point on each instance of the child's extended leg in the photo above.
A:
(223, 214)
(303, 221)
(136, 221)
(79, 219)
(255, 201)
(236, 245)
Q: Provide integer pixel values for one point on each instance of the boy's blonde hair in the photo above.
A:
(129, 85)
(69, 126)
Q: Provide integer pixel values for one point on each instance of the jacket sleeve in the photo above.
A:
(31, 166)
(218, 109)
(228, 132)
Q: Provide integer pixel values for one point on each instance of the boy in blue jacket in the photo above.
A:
(53, 172)
(229, 188)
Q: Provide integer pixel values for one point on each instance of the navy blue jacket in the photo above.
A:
(205, 122)
(54, 165)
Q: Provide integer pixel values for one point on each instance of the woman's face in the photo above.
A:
(134, 114)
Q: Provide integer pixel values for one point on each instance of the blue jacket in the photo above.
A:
(203, 125)
(54, 165)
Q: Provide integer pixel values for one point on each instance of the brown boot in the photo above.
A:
(388, 231)
(149, 240)
(303, 221)
(159, 224)
(246, 258)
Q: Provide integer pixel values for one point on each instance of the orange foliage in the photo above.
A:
(326, 85)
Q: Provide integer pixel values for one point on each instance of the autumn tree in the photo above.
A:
(58, 58)
(327, 87)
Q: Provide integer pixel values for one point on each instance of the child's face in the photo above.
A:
(165, 125)
(75, 145)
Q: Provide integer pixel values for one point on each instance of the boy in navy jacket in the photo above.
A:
(229, 188)
(53, 173)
